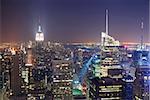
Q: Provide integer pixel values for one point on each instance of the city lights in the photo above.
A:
(76, 50)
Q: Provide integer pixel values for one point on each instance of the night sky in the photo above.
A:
(74, 20)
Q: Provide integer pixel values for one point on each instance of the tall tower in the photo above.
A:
(39, 35)
(107, 21)
(142, 26)
(106, 39)
(104, 35)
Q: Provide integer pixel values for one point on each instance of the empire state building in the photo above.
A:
(39, 35)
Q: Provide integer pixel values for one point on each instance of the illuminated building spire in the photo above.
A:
(142, 26)
(39, 34)
(107, 21)
(106, 39)
(39, 27)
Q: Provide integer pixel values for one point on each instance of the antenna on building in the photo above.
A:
(39, 34)
(142, 26)
(141, 41)
(107, 21)
(39, 25)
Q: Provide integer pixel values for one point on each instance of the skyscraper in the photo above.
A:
(108, 82)
(39, 35)
(15, 79)
(106, 39)
(62, 79)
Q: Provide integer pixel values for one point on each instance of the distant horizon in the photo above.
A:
(76, 42)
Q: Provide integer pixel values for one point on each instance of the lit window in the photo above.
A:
(145, 77)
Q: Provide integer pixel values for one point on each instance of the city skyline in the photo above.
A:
(74, 21)
(74, 50)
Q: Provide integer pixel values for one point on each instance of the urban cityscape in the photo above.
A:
(95, 65)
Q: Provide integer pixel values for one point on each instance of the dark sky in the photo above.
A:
(73, 20)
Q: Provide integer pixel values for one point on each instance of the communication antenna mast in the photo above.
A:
(142, 26)
(107, 21)
(39, 26)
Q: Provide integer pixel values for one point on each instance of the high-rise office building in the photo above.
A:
(109, 85)
(62, 79)
(141, 84)
(15, 78)
(106, 88)
(142, 64)
(128, 81)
